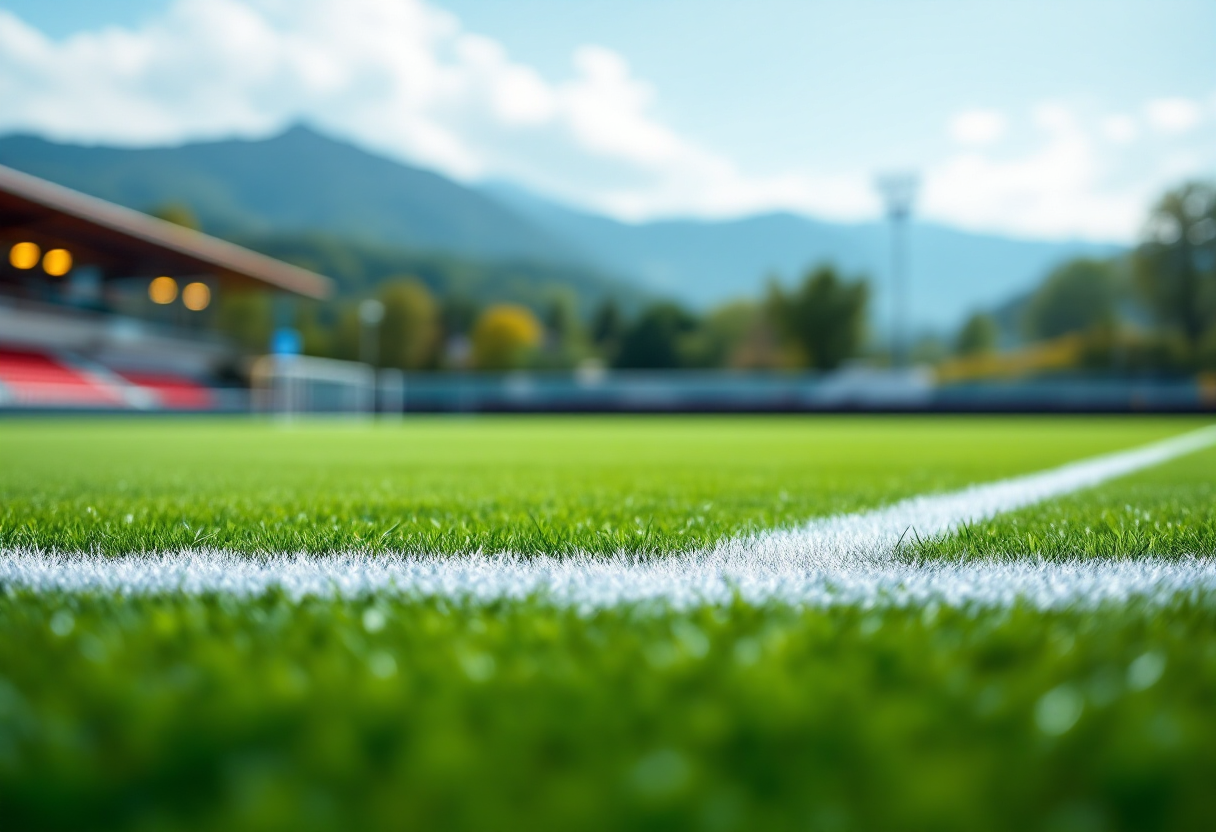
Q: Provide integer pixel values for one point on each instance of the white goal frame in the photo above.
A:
(297, 384)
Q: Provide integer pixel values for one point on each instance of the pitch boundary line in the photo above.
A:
(844, 559)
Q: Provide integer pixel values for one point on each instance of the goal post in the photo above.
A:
(298, 384)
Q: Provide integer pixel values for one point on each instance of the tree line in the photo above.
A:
(818, 323)
(1151, 310)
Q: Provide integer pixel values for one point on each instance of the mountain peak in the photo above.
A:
(302, 130)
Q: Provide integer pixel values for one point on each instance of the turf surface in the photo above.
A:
(178, 712)
(1165, 511)
(511, 484)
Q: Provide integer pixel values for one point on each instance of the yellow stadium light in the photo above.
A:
(196, 296)
(162, 290)
(24, 255)
(57, 262)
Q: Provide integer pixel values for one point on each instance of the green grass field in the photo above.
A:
(1165, 511)
(389, 711)
(525, 484)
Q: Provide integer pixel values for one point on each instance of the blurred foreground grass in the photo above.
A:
(205, 713)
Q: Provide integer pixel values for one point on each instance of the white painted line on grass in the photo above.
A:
(872, 537)
(587, 583)
(846, 559)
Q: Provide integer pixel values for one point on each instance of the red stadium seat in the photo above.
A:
(174, 392)
(36, 379)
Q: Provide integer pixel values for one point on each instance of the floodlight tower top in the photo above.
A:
(898, 192)
(371, 312)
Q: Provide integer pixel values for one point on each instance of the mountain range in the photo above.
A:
(302, 180)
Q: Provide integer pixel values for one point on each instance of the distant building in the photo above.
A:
(105, 307)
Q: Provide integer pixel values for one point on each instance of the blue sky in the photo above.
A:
(1039, 119)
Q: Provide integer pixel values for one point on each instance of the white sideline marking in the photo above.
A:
(846, 559)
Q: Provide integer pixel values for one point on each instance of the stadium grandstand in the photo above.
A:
(106, 308)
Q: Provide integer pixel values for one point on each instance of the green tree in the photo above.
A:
(1077, 296)
(929, 349)
(1207, 350)
(315, 336)
(823, 318)
(345, 341)
(561, 318)
(458, 314)
(719, 340)
(247, 317)
(652, 342)
(1175, 265)
(566, 342)
(607, 328)
(410, 329)
(978, 335)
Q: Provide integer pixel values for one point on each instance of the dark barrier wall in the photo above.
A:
(729, 392)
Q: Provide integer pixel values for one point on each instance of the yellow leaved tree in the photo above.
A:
(505, 337)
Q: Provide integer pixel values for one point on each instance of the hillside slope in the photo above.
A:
(952, 272)
(299, 180)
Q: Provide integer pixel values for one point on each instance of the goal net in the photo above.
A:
(297, 384)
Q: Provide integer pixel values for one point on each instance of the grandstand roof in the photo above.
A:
(120, 239)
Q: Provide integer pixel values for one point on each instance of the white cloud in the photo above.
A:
(1056, 189)
(396, 75)
(1120, 129)
(978, 127)
(405, 78)
(1172, 115)
(606, 109)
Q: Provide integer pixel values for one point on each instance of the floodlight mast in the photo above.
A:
(371, 313)
(898, 191)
